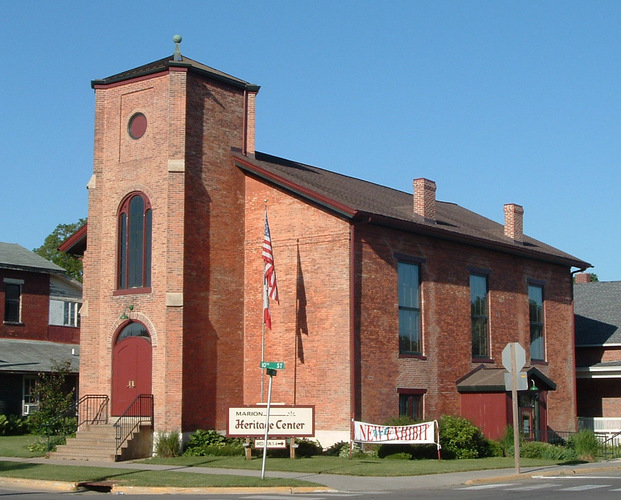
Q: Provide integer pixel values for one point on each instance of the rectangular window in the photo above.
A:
(12, 303)
(30, 399)
(71, 316)
(480, 316)
(409, 308)
(537, 337)
(64, 313)
(411, 405)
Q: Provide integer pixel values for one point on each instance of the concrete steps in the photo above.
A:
(93, 442)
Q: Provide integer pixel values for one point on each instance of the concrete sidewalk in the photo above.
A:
(326, 482)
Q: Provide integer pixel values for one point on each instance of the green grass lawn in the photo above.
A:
(355, 467)
(17, 446)
(132, 477)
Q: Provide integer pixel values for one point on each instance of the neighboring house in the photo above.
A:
(598, 353)
(390, 302)
(39, 305)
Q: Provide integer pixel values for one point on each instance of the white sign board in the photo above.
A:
(271, 443)
(522, 382)
(285, 421)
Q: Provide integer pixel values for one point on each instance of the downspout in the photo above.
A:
(353, 374)
(573, 316)
(352, 325)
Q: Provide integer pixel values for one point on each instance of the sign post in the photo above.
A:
(271, 368)
(514, 359)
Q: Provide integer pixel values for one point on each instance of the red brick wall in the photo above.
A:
(214, 253)
(123, 165)
(35, 306)
(64, 334)
(446, 323)
(599, 398)
(311, 325)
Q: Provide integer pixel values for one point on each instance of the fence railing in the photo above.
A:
(140, 412)
(600, 424)
(609, 442)
(93, 409)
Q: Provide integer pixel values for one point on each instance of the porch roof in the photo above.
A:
(609, 369)
(483, 379)
(34, 356)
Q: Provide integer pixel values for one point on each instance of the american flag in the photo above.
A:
(269, 275)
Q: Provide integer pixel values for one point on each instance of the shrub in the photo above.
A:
(585, 444)
(538, 449)
(46, 443)
(13, 425)
(460, 438)
(212, 443)
(167, 445)
(495, 449)
(400, 420)
(307, 448)
(336, 449)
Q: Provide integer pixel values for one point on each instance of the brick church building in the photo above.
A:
(390, 302)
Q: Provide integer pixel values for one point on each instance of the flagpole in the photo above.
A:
(263, 334)
(263, 295)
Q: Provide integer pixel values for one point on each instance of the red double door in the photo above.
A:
(131, 372)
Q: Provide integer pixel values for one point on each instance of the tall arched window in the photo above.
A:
(134, 264)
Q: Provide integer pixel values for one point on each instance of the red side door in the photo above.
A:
(131, 372)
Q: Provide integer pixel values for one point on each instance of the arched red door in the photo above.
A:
(131, 368)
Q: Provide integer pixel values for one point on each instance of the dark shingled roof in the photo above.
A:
(34, 356)
(597, 308)
(14, 256)
(358, 199)
(168, 62)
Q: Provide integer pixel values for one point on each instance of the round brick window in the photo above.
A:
(137, 125)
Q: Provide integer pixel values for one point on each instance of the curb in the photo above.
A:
(165, 490)
(32, 484)
(38, 483)
(548, 473)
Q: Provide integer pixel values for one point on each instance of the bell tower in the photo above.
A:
(165, 240)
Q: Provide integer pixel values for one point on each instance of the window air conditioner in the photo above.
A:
(29, 409)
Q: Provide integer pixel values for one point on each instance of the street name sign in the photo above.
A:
(273, 365)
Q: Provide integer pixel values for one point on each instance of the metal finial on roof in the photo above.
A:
(177, 55)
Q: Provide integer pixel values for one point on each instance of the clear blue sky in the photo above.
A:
(497, 101)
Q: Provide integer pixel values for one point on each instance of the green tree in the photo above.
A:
(49, 249)
(56, 414)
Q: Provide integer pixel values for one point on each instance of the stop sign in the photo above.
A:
(519, 355)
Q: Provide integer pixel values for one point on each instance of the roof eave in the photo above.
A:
(76, 243)
(30, 269)
(167, 65)
(437, 232)
(340, 208)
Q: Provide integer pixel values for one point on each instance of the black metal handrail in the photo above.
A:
(139, 412)
(610, 444)
(93, 409)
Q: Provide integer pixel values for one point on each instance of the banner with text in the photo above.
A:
(425, 433)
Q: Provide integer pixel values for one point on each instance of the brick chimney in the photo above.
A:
(250, 122)
(583, 278)
(425, 199)
(514, 222)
